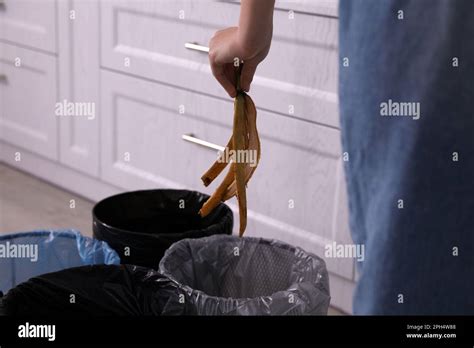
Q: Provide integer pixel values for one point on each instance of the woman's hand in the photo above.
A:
(250, 42)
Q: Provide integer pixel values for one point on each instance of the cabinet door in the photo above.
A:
(293, 196)
(29, 23)
(141, 134)
(28, 98)
(78, 23)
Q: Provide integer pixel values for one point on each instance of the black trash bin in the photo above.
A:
(141, 225)
(226, 275)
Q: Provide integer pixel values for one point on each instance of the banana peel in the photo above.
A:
(243, 140)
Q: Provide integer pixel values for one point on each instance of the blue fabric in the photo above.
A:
(409, 251)
(29, 254)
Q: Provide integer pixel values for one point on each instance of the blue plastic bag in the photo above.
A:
(28, 254)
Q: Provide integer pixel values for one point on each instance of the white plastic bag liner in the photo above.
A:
(227, 275)
(28, 254)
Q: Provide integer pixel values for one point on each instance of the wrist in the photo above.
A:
(248, 45)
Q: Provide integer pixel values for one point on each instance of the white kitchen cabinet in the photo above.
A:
(141, 132)
(30, 23)
(78, 61)
(28, 95)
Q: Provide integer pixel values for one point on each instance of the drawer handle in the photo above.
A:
(195, 47)
(192, 139)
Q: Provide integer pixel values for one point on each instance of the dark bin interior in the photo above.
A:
(149, 221)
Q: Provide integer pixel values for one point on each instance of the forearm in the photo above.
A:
(255, 26)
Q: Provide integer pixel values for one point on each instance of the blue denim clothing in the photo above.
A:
(411, 199)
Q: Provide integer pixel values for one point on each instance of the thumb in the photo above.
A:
(246, 76)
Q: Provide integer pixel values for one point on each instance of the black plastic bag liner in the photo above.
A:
(118, 290)
(225, 275)
(141, 225)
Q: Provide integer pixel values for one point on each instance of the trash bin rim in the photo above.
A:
(189, 290)
(159, 235)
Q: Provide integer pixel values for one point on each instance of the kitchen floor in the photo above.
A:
(28, 203)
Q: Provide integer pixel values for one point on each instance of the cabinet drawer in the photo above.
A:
(293, 196)
(28, 98)
(29, 22)
(142, 129)
(299, 77)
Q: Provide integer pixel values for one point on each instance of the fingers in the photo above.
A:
(220, 58)
(248, 71)
(225, 75)
(219, 72)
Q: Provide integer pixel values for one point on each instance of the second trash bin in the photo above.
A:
(29, 254)
(225, 275)
(141, 225)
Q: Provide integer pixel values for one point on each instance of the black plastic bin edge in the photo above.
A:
(146, 250)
